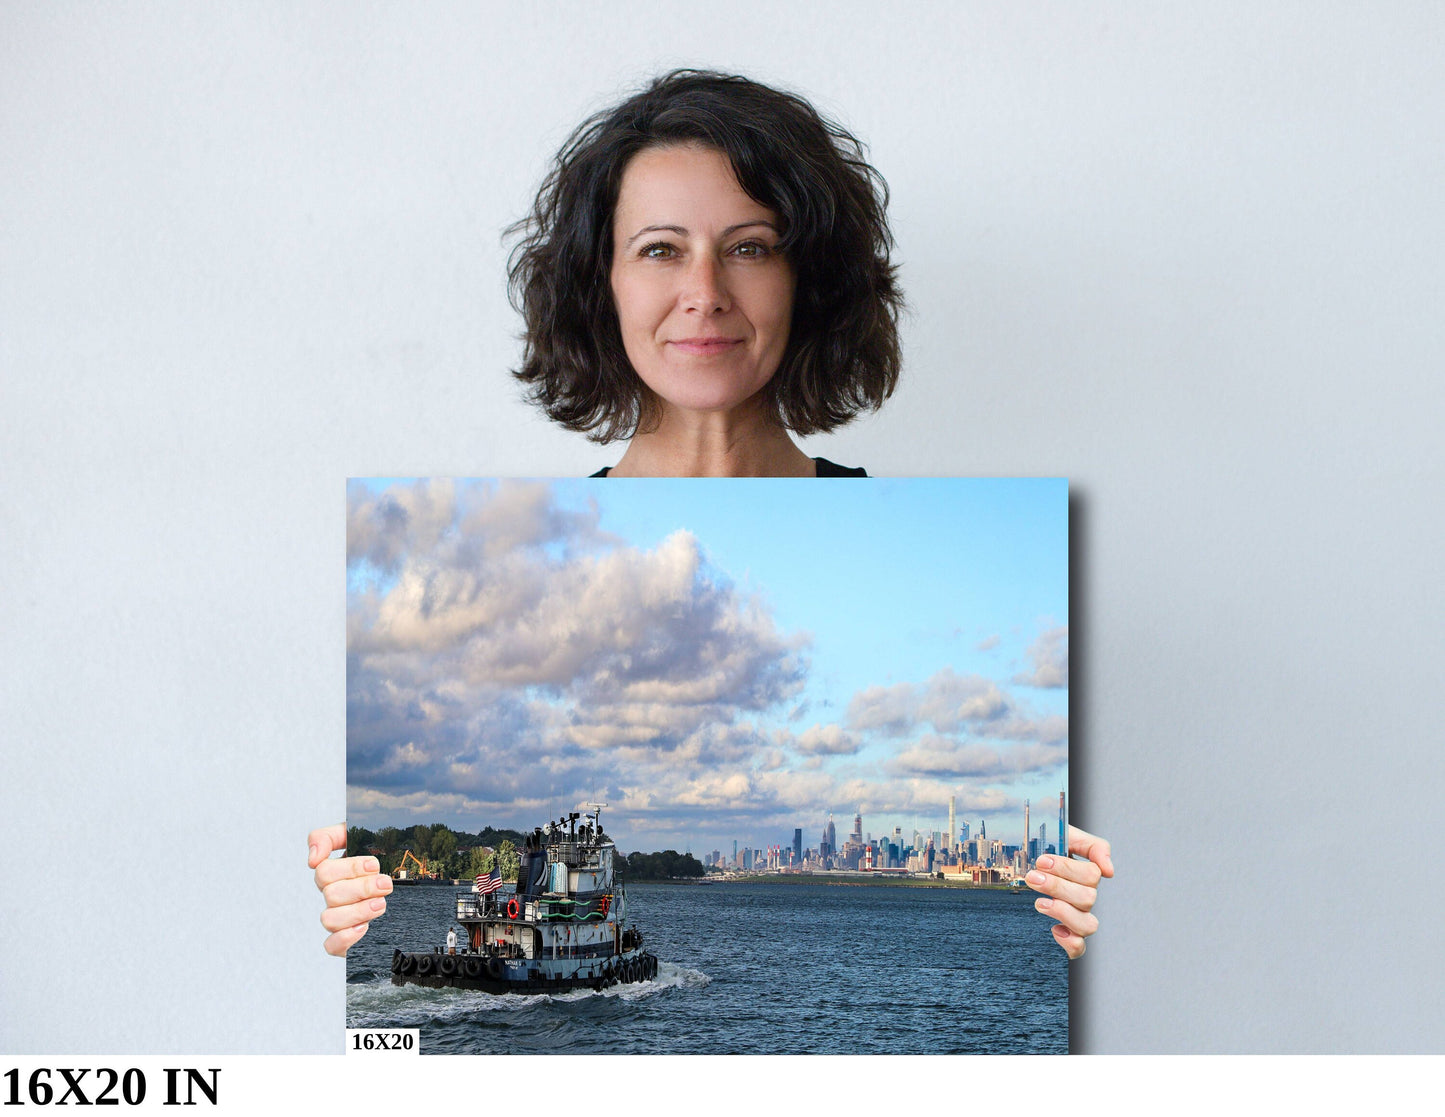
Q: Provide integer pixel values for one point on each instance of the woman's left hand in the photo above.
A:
(1070, 888)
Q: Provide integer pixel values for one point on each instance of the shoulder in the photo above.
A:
(833, 469)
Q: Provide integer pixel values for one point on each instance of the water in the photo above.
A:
(756, 968)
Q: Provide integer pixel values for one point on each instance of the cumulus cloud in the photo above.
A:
(988, 643)
(502, 648)
(1050, 657)
(951, 759)
(822, 740)
(947, 701)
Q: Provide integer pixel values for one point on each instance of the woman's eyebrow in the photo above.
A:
(680, 231)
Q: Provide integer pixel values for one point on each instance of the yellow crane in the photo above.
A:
(421, 870)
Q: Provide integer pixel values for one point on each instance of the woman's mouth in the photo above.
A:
(706, 346)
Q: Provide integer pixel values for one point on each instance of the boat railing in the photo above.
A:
(546, 909)
(483, 905)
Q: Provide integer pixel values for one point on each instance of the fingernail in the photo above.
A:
(1043, 904)
(1036, 878)
(384, 883)
(1109, 861)
(314, 851)
(1045, 862)
(371, 865)
(378, 905)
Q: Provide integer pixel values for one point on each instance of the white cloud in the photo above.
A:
(1050, 657)
(947, 758)
(822, 740)
(947, 701)
(511, 652)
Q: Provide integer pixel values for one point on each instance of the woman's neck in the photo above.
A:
(743, 443)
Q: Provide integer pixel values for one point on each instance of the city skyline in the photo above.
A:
(717, 660)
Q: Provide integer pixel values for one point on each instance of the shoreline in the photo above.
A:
(849, 881)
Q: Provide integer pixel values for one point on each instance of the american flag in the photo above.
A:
(489, 882)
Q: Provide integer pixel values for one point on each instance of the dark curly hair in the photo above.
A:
(843, 352)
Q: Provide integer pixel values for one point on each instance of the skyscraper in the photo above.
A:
(1063, 838)
(1026, 833)
(797, 845)
(952, 820)
(858, 827)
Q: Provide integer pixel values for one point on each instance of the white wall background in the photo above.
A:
(1188, 256)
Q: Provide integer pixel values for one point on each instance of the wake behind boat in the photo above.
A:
(562, 924)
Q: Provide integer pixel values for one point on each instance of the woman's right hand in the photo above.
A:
(354, 887)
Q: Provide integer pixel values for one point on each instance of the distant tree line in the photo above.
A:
(659, 866)
(458, 855)
(454, 854)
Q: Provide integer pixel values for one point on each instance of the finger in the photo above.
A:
(1070, 868)
(339, 868)
(338, 919)
(1073, 944)
(1080, 923)
(1079, 895)
(1096, 849)
(351, 890)
(322, 843)
(339, 943)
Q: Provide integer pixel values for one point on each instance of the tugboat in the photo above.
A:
(562, 925)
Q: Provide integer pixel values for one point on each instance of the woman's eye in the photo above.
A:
(751, 249)
(658, 251)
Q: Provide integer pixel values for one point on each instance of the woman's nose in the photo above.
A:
(705, 288)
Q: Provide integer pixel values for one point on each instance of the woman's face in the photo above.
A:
(703, 296)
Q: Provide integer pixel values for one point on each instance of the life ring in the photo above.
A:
(472, 967)
(514, 908)
(447, 966)
(423, 965)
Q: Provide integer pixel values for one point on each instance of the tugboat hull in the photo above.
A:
(520, 975)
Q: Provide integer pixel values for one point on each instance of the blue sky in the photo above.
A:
(728, 659)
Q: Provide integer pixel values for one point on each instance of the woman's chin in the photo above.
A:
(703, 401)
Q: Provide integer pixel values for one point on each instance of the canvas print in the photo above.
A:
(709, 766)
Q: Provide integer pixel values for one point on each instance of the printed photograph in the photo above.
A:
(709, 765)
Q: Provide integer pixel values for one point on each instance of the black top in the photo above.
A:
(825, 469)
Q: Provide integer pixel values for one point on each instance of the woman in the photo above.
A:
(705, 273)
